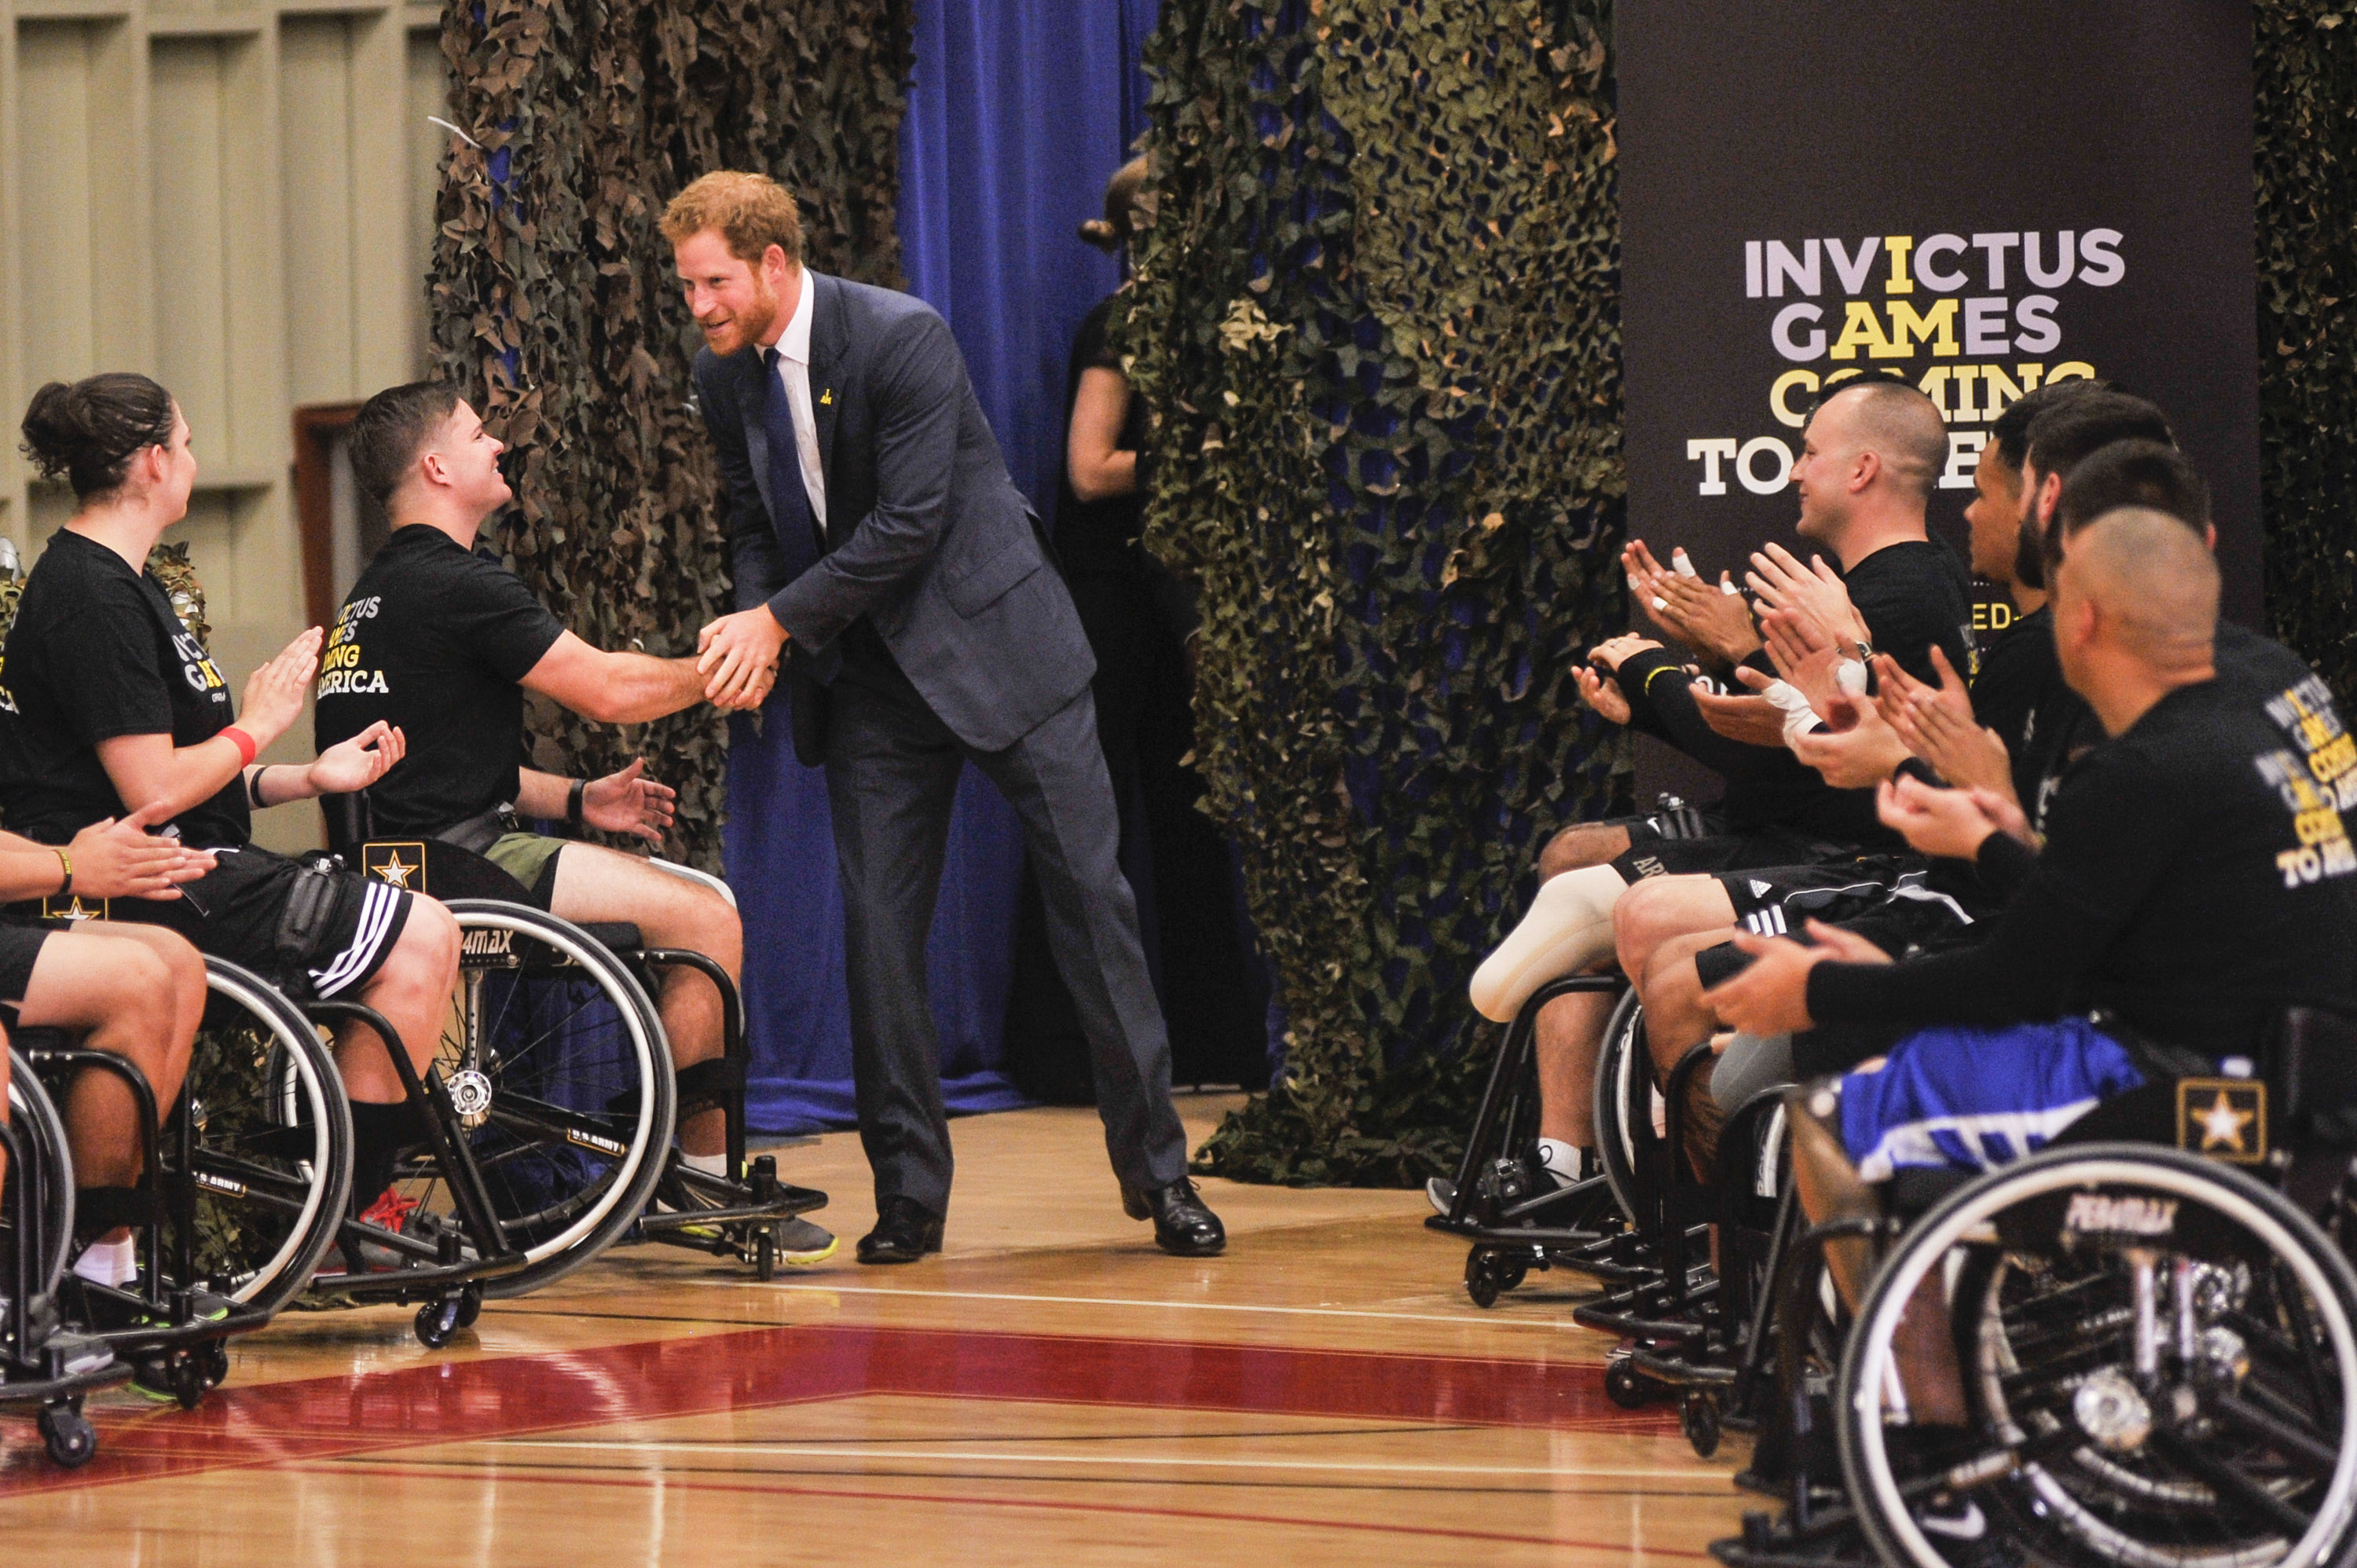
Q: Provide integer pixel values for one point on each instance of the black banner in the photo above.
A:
(1983, 195)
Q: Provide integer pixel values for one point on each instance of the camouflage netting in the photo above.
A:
(555, 307)
(1376, 318)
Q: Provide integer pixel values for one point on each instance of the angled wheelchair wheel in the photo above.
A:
(2156, 1355)
(1625, 1101)
(558, 1066)
(35, 1117)
(270, 1143)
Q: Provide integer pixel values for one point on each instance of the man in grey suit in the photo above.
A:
(879, 543)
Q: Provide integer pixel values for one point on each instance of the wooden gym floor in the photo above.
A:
(1050, 1390)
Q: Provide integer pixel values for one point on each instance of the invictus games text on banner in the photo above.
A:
(1954, 313)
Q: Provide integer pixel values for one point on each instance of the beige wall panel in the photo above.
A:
(314, 106)
(384, 290)
(192, 346)
(429, 144)
(54, 89)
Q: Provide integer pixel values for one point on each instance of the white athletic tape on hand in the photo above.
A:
(1787, 699)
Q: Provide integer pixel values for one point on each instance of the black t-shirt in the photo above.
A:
(2197, 878)
(434, 639)
(2021, 695)
(96, 653)
(1100, 538)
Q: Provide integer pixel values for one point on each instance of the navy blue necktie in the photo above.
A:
(790, 510)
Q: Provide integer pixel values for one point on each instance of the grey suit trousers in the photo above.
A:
(892, 770)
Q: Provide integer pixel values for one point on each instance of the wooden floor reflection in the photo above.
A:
(1050, 1390)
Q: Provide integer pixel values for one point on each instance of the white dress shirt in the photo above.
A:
(794, 370)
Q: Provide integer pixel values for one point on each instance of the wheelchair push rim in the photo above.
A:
(2152, 1191)
(569, 1227)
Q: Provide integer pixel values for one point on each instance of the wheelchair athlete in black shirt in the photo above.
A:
(2197, 880)
(1872, 452)
(443, 643)
(114, 707)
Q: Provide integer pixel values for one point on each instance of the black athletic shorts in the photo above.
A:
(1882, 898)
(20, 944)
(313, 931)
(1652, 853)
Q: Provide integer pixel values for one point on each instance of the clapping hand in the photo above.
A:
(1602, 694)
(119, 858)
(1704, 616)
(1858, 757)
(354, 764)
(629, 802)
(1771, 996)
(275, 693)
(1753, 720)
(1782, 583)
(1948, 824)
(1939, 727)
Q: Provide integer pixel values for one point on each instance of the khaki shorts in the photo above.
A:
(530, 859)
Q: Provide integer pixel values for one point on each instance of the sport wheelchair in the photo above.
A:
(563, 1075)
(2157, 1344)
(1643, 1228)
(44, 1365)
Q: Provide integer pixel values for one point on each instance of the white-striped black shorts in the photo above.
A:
(237, 910)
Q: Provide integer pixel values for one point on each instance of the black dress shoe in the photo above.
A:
(1184, 1226)
(905, 1231)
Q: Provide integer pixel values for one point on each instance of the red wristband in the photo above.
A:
(243, 741)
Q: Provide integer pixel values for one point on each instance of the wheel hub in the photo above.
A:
(2110, 1409)
(470, 1095)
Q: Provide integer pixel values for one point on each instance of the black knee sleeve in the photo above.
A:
(98, 1209)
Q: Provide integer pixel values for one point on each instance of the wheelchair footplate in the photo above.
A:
(725, 1218)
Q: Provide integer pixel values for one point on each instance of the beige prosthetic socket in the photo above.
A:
(1569, 926)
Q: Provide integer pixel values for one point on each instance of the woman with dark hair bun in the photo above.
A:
(1140, 618)
(86, 432)
(113, 709)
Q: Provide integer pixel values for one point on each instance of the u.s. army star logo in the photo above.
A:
(2223, 1117)
(399, 865)
(76, 908)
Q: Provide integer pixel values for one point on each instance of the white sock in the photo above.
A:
(109, 1263)
(710, 1165)
(1560, 1159)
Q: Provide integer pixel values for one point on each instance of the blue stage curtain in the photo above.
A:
(1019, 112)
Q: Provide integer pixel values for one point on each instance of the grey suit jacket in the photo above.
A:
(927, 534)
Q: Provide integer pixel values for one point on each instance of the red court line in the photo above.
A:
(670, 1482)
(330, 1417)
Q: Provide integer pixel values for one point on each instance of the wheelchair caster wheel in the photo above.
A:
(1699, 1419)
(1627, 1387)
(213, 1361)
(1485, 1277)
(765, 1254)
(471, 1305)
(73, 1441)
(438, 1321)
(187, 1378)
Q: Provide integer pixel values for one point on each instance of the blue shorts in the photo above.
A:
(1975, 1098)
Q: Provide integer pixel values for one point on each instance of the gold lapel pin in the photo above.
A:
(826, 398)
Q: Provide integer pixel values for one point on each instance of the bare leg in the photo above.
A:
(1571, 1028)
(1923, 1345)
(128, 991)
(412, 988)
(594, 884)
(1570, 1033)
(1661, 907)
(1675, 1019)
